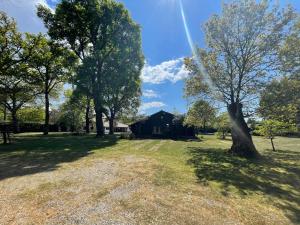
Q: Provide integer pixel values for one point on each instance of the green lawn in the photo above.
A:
(63, 179)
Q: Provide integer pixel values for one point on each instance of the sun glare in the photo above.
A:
(192, 45)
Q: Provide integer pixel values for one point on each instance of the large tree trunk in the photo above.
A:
(99, 122)
(4, 113)
(47, 114)
(87, 115)
(242, 143)
(15, 122)
(111, 124)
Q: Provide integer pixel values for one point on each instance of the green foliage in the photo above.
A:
(16, 86)
(290, 51)
(200, 114)
(272, 128)
(51, 64)
(281, 100)
(242, 47)
(72, 112)
(31, 114)
(222, 124)
(104, 37)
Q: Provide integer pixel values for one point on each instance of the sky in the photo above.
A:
(164, 40)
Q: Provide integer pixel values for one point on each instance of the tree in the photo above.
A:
(243, 45)
(80, 97)
(290, 58)
(15, 50)
(95, 30)
(271, 128)
(70, 23)
(200, 114)
(122, 84)
(72, 112)
(51, 65)
(290, 52)
(222, 123)
(280, 100)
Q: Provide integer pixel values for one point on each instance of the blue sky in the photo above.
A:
(164, 41)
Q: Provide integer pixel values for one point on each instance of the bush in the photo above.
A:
(36, 127)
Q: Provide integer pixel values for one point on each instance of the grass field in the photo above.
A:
(64, 179)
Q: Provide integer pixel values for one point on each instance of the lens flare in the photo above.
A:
(193, 48)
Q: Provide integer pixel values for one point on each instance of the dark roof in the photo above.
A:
(145, 119)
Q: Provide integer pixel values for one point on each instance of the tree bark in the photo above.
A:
(4, 113)
(16, 127)
(4, 137)
(47, 114)
(99, 122)
(87, 115)
(273, 147)
(242, 143)
(111, 124)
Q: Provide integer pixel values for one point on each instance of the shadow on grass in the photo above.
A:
(276, 175)
(35, 154)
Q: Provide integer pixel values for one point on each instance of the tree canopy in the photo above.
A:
(200, 114)
(108, 41)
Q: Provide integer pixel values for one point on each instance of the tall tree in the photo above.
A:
(122, 84)
(94, 29)
(200, 114)
(51, 66)
(243, 44)
(71, 23)
(15, 50)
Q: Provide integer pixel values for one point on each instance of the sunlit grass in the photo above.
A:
(186, 180)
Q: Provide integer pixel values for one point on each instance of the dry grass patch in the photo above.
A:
(83, 180)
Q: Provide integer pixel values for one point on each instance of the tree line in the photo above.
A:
(93, 45)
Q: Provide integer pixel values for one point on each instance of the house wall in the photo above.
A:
(167, 127)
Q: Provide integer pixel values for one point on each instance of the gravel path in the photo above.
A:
(116, 191)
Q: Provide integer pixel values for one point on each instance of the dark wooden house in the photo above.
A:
(162, 125)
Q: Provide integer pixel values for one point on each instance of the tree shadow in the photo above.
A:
(30, 155)
(275, 175)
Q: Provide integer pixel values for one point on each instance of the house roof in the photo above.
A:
(145, 119)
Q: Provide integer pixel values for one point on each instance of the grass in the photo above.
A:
(147, 181)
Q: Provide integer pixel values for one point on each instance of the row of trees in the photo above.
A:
(30, 66)
(248, 45)
(108, 44)
(92, 44)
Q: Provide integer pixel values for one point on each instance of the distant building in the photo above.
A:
(162, 125)
(118, 127)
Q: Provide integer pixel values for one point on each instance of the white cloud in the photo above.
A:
(150, 94)
(24, 12)
(150, 105)
(173, 71)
